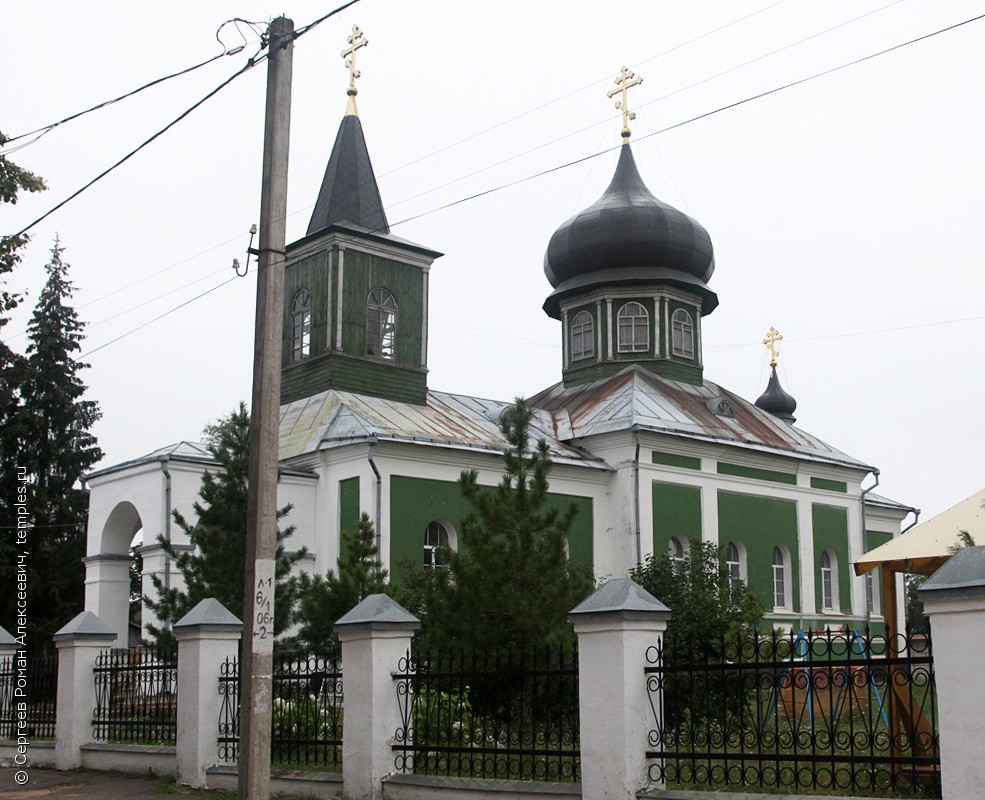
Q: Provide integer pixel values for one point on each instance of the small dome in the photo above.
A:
(776, 401)
(629, 236)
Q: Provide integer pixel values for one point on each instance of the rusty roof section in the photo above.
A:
(636, 398)
(334, 418)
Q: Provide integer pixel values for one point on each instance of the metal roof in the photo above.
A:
(637, 399)
(334, 418)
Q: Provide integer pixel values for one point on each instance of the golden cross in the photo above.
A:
(355, 40)
(772, 337)
(626, 80)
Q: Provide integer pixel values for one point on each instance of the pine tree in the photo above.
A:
(322, 600)
(215, 567)
(50, 433)
(510, 582)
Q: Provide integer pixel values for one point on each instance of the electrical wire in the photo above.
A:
(573, 92)
(252, 62)
(560, 167)
(226, 51)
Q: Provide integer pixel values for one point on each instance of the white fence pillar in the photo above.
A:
(615, 626)
(79, 644)
(954, 600)
(207, 635)
(375, 635)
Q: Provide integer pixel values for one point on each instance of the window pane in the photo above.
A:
(381, 325)
(582, 336)
(301, 326)
(682, 334)
(634, 328)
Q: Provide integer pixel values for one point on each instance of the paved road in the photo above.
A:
(45, 783)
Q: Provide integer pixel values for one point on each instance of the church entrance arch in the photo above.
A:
(108, 567)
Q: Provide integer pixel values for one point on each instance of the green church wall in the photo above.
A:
(831, 533)
(414, 502)
(308, 273)
(349, 510)
(829, 485)
(760, 524)
(361, 274)
(675, 460)
(676, 512)
(756, 474)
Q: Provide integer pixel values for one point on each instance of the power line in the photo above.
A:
(227, 51)
(560, 167)
(252, 62)
(573, 92)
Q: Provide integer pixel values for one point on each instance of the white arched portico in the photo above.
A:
(124, 499)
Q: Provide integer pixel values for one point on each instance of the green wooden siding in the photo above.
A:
(672, 306)
(760, 524)
(675, 460)
(349, 510)
(829, 485)
(414, 502)
(310, 274)
(831, 533)
(676, 512)
(351, 374)
(756, 474)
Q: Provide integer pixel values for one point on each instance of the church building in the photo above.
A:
(652, 453)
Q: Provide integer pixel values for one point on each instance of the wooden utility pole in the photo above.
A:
(256, 665)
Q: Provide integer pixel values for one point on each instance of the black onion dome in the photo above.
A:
(629, 236)
(776, 401)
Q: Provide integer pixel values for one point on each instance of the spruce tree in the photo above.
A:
(51, 436)
(510, 583)
(322, 600)
(13, 434)
(215, 567)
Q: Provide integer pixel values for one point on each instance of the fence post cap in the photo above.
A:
(210, 615)
(963, 575)
(620, 597)
(6, 639)
(85, 625)
(379, 610)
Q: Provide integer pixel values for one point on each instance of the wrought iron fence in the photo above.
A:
(307, 711)
(489, 714)
(843, 711)
(136, 695)
(40, 671)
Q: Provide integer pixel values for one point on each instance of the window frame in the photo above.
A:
(582, 331)
(829, 581)
(632, 323)
(733, 566)
(300, 326)
(381, 324)
(781, 580)
(677, 548)
(681, 333)
(433, 549)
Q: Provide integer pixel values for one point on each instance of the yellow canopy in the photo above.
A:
(925, 547)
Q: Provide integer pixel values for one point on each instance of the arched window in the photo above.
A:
(676, 550)
(436, 541)
(582, 336)
(781, 590)
(381, 324)
(301, 325)
(829, 581)
(683, 334)
(634, 328)
(733, 564)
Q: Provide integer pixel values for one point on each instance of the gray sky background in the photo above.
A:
(845, 211)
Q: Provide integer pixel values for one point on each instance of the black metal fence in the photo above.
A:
(307, 711)
(32, 679)
(489, 714)
(845, 712)
(136, 695)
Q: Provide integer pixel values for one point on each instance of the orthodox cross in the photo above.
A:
(356, 40)
(626, 80)
(772, 337)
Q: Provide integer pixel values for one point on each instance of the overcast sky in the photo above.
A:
(846, 211)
